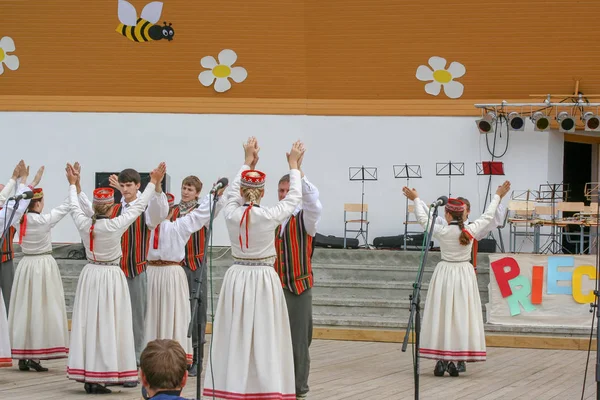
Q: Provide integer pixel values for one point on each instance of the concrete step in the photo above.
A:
(371, 322)
(340, 307)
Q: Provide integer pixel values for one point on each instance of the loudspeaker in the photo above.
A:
(102, 181)
(486, 246)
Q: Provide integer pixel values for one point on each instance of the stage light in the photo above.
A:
(540, 121)
(566, 123)
(516, 122)
(486, 124)
(591, 121)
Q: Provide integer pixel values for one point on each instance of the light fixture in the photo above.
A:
(540, 121)
(591, 121)
(516, 122)
(486, 124)
(566, 123)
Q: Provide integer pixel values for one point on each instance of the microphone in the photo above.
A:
(441, 201)
(221, 183)
(23, 196)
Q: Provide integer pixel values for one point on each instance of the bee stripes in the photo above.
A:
(138, 33)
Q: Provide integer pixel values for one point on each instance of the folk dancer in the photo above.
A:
(168, 302)
(191, 187)
(251, 355)
(5, 348)
(7, 268)
(452, 328)
(38, 316)
(134, 247)
(294, 245)
(102, 349)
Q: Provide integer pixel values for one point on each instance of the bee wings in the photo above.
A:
(128, 14)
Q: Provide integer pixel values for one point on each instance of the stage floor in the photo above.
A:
(365, 370)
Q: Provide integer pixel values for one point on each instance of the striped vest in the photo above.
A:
(134, 245)
(194, 249)
(294, 252)
(7, 247)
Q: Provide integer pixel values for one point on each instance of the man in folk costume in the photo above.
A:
(134, 246)
(191, 187)
(294, 245)
(168, 314)
(7, 268)
(5, 347)
(483, 233)
(102, 342)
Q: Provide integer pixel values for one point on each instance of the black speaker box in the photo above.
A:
(334, 242)
(102, 181)
(486, 246)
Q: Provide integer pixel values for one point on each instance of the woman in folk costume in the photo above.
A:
(102, 345)
(251, 352)
(452, 328)
(38, 316)
(5, 348)
(168, 312)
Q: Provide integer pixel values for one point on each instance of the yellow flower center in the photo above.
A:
(442, 76)
(2, 55)
(221, 71)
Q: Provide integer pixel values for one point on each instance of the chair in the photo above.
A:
(356, 208)
(521, 215)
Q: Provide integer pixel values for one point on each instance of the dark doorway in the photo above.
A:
(577, 171)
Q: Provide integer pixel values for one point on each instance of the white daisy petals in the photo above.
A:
(441, 78)
(220, 72)
(11, 61)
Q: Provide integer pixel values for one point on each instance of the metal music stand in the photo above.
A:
(362, 174)
(491, 168)
(450, 169)
(551, 193)
(407, 172)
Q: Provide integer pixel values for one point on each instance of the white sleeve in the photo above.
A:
(79, 217)
(232, 198)
(58, 213)
(284, 208)
(195, 219)
(122, 222)
(481, 224)
(85, 204)
(157, 211)
(7, 211)
(311, 206)
(7, 190)
(424, 215)
(439, 220)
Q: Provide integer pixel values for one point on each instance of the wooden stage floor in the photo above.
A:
(365, 370)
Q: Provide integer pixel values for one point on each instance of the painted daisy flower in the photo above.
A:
(7, 45)
(442, 77)
(220, 72)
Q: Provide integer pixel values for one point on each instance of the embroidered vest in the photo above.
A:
(7, 247)
(194, 249)
(294, 252)
(134, 245)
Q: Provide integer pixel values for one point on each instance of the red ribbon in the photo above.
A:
(156, 236)
(22, 229)
(245, 216)
(468, 233)
(92, 241)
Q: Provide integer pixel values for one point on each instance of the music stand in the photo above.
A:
(551, 193)
(407, 172)
(362, 174)
(491, 168)
(450, 169)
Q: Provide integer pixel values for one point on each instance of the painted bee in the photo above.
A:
(143, 29)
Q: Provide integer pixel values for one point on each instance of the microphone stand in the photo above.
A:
(6, 227)
(197, 302)
(415, 305)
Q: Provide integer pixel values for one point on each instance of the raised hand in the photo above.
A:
(72, 175)
(113, 181)
(18, 168)
(503, 189)
(295, 154)
(412, 194)
(38, 177)
(250, 147)
(157, 174)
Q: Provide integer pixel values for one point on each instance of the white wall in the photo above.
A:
(211, 146)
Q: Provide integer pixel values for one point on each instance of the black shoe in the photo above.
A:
(452, 370)
(193, 370)
(94, 388)
(36, 365)
(461, 366)
(23, 365)
(130, 384)
(440, 368)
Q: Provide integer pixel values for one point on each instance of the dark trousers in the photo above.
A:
(201, 315)
(7, 275)
(138, 289)
(301, 325)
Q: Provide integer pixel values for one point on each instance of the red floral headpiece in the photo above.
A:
(253, 181)
(455, 205)
(104, 196)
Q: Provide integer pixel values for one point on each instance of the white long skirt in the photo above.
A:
(37, 315)
(102, 346)
(5, 357)
(251, 350)
(452, 327)
(168, 309)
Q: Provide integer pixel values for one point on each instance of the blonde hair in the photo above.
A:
(252, 194)
(99, 209)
